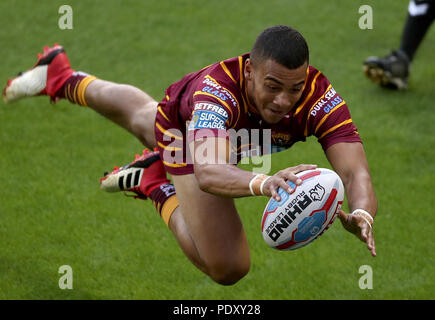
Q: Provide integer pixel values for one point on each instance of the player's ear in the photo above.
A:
(248, 69)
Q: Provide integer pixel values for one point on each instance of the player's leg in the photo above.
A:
(127, 106)
(52, 75)
(420, 16)
(210, 232)
(207, 227)
(392, 71)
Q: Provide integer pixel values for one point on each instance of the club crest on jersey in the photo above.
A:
(280, 139)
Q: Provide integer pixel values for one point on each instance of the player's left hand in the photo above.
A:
(359, 227)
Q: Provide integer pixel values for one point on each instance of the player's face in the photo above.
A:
(274, 89)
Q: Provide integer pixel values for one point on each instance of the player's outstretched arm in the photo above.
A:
(217, 176)
(349, 161)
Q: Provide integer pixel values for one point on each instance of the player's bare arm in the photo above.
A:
(349, 161)
(217, 176)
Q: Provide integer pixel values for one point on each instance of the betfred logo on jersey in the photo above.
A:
(207, 106)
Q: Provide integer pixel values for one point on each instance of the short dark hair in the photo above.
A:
(283, 44)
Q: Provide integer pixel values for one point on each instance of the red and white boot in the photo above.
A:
(141, 176)
(46, 77)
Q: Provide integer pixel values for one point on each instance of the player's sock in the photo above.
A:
(158, 188)
(165, 200)
(74, 88)
(420, 17)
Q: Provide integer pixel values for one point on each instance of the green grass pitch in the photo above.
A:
(52, 212)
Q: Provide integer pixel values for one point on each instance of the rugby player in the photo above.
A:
(271, 88)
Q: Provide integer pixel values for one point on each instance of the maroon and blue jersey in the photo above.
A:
(215, 100)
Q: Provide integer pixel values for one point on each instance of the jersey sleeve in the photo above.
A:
(329, 117)
(216, 107)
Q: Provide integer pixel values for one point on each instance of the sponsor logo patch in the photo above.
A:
(207, 106)
(329, 100)
(215, 89)
(208, 116)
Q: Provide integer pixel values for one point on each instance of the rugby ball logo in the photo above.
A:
(317, 192)
(301, 217)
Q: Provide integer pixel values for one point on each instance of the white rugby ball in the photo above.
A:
(299, 218)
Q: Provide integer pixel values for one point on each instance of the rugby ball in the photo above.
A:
(302, 216)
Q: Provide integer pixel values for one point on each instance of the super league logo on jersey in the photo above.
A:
(208, 116)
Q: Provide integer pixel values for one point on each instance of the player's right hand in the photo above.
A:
(280, 179)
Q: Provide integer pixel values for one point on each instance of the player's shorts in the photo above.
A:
(171, 137)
